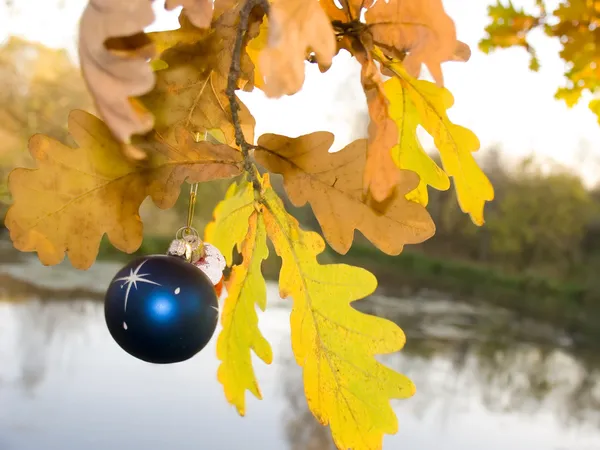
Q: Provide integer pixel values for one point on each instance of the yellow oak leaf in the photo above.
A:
(409, 153)
(420, 27)
(158, 64)
(329, 182)
(594, 106)
(186, 34)
(570, 95)
(295, 27)
(455, 143)
(190, 91)
(76, 195)
(335, 344)
(240, 334)
(230, 219)
(254, 48)
(113, 52)
(198, 11)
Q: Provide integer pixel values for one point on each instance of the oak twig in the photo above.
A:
(232, 79)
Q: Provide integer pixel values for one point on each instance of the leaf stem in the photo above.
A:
(379, 56)
(232, 80)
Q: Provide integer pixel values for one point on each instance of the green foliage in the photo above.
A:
(542, 222)
(544, 227)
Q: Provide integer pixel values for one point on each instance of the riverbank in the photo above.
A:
(572, 307)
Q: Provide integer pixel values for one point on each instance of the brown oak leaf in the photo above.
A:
(329, 182)
(295, 27)
(113, 52)
(190, 91)
(420, 28)
(76, 195)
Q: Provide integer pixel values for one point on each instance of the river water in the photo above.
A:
(485, 379)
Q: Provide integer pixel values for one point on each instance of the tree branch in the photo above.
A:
(232, 80)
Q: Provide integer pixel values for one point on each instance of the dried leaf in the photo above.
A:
(117, 70)
(420, 27)
(198, 11)
(333, 11)
(226, 20)
(190, 92)
(462, 52)
(330, 183)
(78, 194)
(350, 9)
(381, 175)
(295, 27)
(345, 386)
(240, 334)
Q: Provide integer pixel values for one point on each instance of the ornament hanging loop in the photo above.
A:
(187, 243)
(191, 206)
(189, 235)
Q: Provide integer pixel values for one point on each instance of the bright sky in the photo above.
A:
(495, 95)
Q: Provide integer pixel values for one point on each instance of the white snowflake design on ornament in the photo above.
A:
(132, 280)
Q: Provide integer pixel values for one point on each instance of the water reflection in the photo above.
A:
(484, 379)
(515, 365)
(303, 432)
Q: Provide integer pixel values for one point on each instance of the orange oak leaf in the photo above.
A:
(333, 11)
(381, 174)
(115, 68)
(76, 195)
(295, 27)
(329, 183)
(198, 11)
(420, 28)
(350, 9)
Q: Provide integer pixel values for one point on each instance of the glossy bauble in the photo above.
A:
(161, 309)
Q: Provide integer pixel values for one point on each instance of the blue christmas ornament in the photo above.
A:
(161, 309)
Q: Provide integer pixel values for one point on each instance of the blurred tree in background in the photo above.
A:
(543, 222)
(543, 227)
(39, 88)
(575, 23)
